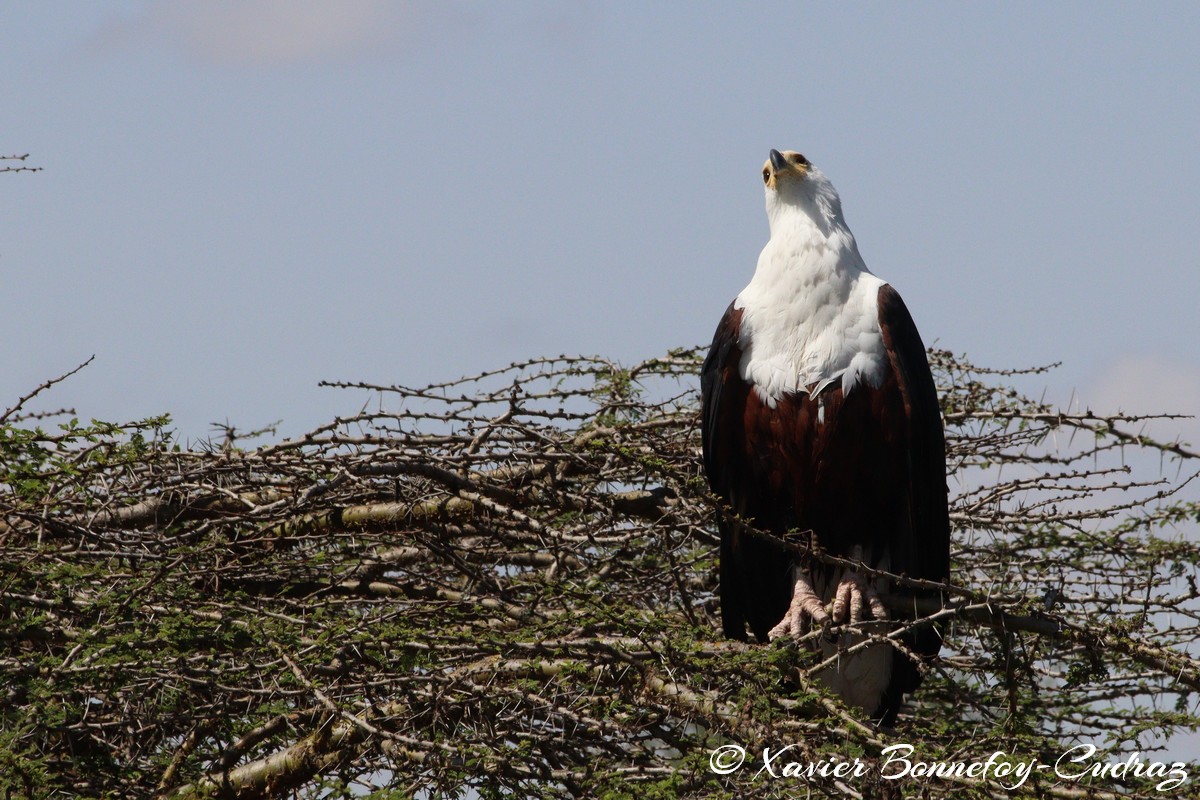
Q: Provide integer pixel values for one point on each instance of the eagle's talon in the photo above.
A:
(805, 610)
(854, 598)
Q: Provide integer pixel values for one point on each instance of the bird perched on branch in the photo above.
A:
(821, 425)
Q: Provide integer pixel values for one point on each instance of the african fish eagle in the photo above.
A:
(820, 418)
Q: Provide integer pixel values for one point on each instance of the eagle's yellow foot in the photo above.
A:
(854, 596)
(805, 608)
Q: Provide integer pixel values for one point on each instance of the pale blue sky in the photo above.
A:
(243, 198)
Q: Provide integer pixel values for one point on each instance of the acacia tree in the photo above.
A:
(506, 585)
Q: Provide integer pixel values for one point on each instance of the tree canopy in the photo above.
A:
(506, 585)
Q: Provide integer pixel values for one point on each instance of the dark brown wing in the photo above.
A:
(747, 473)
(922, 549)
(922, 546)
(723, 394)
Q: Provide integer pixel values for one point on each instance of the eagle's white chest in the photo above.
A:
(810, 317)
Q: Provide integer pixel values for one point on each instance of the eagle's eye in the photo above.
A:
(799, 159)
(766, 175)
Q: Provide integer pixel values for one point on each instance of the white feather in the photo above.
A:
(809, 314)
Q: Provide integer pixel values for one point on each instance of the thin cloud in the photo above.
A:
(262, 32)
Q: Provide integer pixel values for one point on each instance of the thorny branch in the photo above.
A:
(21, 168)
(507, 584)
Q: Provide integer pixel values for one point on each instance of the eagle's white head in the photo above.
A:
(798, 194)
(809, 314)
